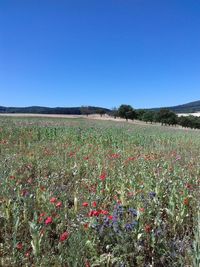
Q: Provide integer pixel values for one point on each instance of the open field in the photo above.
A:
(91, 117)
(77, 192)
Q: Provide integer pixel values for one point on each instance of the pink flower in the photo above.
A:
(53, 199)
(48, 220)
(85, 204)
(59, 204)
(141, 209)
(64, 236)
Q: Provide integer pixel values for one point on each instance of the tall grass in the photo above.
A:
(87, 193)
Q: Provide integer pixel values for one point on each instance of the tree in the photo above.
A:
(172, 118)
(126, 112)
(189, 121)
(148, 116)
(114, 112)
(85, 110)
(140, 113)
(101, 112)
(165, 116)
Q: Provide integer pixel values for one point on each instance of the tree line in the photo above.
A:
(163, 116)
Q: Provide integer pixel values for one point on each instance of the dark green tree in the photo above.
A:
(126, 112)
(101, 112)
(148, 116)
(114, 112)
(140, 113)
(85, 110)
(165, 116)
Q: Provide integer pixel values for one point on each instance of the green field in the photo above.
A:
(78, 192)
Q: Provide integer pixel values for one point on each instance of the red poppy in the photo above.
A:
(59, 204)
(42, 214)
(27, 254)
(64, 236)
(19, 246)
(93, 213)
(48, 220)
(87, 264)
(94, 204)
(141, 209)
(102, 176)
(53, 200)
(147, 228)
(188, 186)
(85, 204)
(96, 213)
(186, 202)
(42, 188)
(104, 212)
(86, 225)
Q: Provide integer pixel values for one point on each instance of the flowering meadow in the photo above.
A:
(83, 193)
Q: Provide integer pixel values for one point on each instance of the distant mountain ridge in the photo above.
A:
(190, 107)
(47, 110)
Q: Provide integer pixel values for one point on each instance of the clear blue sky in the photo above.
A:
(99, 52)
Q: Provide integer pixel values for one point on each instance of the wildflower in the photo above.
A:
(104, 212)
(87, 263)
(27, 254)
(130, 226)
(25, 193)
(94, 204)
(42, 188)
(186, 202)
(64, 236)
(178, 157)
(19, 246)
(188, 186)
(103, 176)
(93, 213)
(59, 204)
(152, 195)
(131, 159)
(147, 228)
(86, 226)
(85, 204)
(53, 199)
(133, 212)
(96, 213)
(141, 209)
(110, 217)
(48, 220)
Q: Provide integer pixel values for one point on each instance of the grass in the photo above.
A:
(91, 193)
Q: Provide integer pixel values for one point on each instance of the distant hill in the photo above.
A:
(47, 110)
(185, 108)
